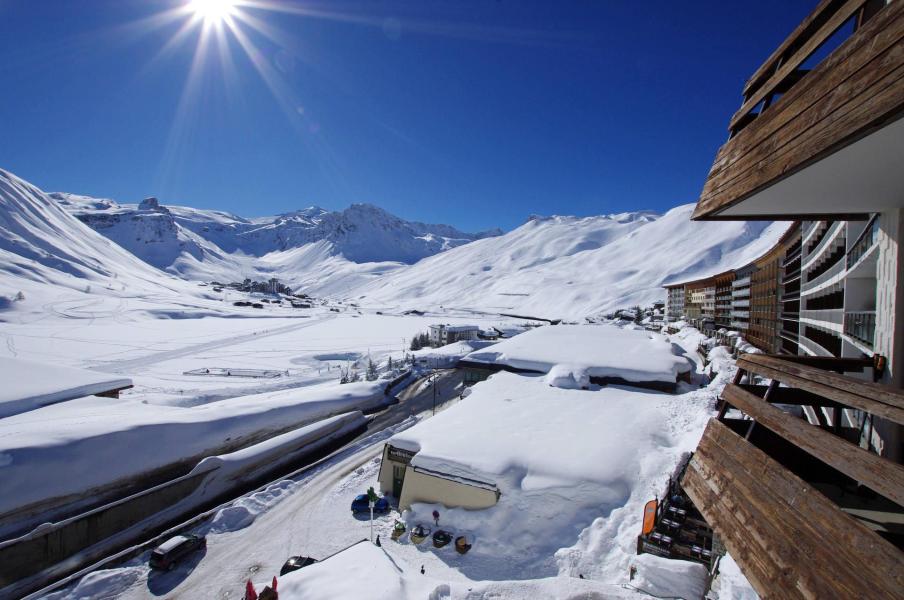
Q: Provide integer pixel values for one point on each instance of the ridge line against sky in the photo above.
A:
(476, 114)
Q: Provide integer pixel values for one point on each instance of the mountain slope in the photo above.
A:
(570, 267)
(40, 242)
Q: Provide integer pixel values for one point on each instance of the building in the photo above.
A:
(818, 139)
(442, 334)
(740, 298)
(764, 305)
(789, 294)
(722, 309)
(674, 306)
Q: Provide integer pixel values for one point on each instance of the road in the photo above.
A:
(291, 525)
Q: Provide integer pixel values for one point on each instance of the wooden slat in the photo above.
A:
(791, 396)
(849, 59)
(768, 64)
(854, 542)
(872, 397)
(831, 363)
(877, 473)
(847, 93)
(789, 540)
(845, 12)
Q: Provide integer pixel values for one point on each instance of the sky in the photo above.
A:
(472, 113)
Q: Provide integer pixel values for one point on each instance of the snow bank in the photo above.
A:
(448, 356)
(604, 350)
(59, 450)
(568, 377)
(28, 385)
(561, 459)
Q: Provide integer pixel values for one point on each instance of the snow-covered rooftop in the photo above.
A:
(606, 351)
(28, 385)
(518, 426)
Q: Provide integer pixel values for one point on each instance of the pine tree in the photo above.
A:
(389, 364)
(371, 373)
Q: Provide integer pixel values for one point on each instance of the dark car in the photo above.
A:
(166, 555)
(359, 504)
(296, 562)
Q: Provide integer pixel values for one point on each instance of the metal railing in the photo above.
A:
(861, 325)
(867, 239)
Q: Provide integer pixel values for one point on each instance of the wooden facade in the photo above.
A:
(803, 510)
(791, 118)
(764, 304)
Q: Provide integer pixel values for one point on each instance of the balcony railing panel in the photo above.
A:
(861, 325)
(867, 240)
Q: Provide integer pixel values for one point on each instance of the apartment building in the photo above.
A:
(674, 305)
(740, 298)
(818, 139)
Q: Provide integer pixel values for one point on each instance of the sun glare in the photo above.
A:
(212, 11)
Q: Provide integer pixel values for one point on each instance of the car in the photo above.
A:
(360, 504)
(166, 555)
(296, 562)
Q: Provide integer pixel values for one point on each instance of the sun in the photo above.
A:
(212, 11)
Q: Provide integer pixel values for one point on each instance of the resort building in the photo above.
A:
(812, 460)
(740, 298)
(764, 281)
(442, 334)
(722, 310)
(674, 306)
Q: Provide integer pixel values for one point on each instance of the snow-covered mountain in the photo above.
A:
(550, 267)
(572, 267)
(40, 243)
(176, 238)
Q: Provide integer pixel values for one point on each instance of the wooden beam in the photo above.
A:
(873, 471)
(789, 540)
(787, 69)
(875, 398)
(831, 363)
(790, 396)
(769, 64)
(856, 90)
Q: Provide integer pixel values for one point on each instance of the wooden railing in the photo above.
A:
(791, 117)
(791, 540)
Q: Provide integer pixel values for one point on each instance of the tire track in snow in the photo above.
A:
(131, 365)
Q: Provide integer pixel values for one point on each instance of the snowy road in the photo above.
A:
(293, 524)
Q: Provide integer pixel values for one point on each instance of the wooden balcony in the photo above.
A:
(803, 509)
(839, 121)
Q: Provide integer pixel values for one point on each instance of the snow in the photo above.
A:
(568, 377)
(28, 385)
(604, 350)
(171, 543)
(571, 267)
(561, 458)
(131, 438)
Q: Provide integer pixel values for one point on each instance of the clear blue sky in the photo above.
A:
(475, 114)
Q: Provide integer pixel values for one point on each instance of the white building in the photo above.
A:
(442, 334)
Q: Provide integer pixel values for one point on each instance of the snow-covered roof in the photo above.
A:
(516, 430)
(171, 543)
(606, 351)
(28, 385)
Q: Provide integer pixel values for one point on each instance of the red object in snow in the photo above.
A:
(274, 583)
(250, 594)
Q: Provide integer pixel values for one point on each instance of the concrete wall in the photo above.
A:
(423, 487)
(31, 554)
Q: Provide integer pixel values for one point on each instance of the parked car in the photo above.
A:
(166, 555)
(359, 504)
(257, 305)
(296, 562)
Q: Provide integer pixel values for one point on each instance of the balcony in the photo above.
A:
(828, 277)
(831, 318)
(740, 314)
(741, 325)
(867, 240)
(861, 326)
(741, 302)
(745, 293)
(741, 282)
(802, 137)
